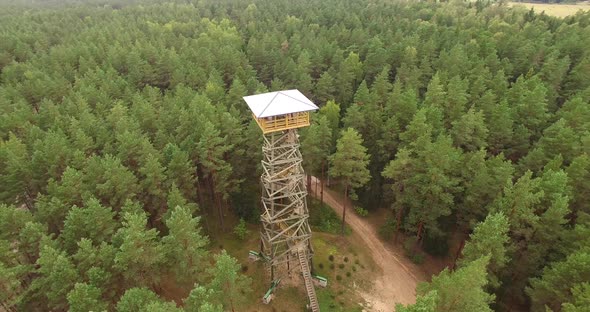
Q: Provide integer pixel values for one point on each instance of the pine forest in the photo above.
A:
(454, 136)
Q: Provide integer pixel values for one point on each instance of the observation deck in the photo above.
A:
(280, 110)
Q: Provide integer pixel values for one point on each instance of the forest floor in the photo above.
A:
(555, 9)
(399, 277)
(344, 260)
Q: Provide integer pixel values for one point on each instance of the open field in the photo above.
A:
(553, 9)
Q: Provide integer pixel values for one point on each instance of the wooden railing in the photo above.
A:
(283, 122)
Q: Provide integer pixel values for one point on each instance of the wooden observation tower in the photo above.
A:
(285, 234)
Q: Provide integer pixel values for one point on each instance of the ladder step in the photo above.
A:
(307, 278)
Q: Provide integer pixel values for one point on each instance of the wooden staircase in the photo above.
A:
(313, 300)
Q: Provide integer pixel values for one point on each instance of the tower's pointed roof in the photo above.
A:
(279, 103)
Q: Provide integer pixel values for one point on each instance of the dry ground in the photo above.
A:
(399, 277)
(553, 9)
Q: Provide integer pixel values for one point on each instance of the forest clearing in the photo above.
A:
(398, 277)
(555, 9)
(164, 156)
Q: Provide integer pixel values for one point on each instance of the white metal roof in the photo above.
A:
(279, 103)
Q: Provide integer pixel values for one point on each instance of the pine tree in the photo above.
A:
(228, 285)
(375, 58)
(184, 245)
(12, 221)
(212, 148)
(348, 77)
(57, 276)
(84, 298)
(555, 286)
(349, 163)
(93, 221)
(578, 173)
(332, 112)
(381, 88)
(435, 93)
(483, 179)
(581, 300)
(198, 300)
(153, 181)
(489, 237)
(15, 171)
(559, 139)
(315, 147)
(462, 290)
(32, 237)
(136, 299)
(425, 303)
(180, 171)
(324, 88)
(455, 100)
(112, 182)
(469, 132)
(500, 125)
(426, 181)
(140, 255)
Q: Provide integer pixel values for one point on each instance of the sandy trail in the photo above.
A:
(397, 283)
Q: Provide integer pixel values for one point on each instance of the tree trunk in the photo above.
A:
(458, 253)
(328, 176)
(220, 210)
(316, 186)
(231, 301)
(28, 199)
(322, 183)
(215, 198)
(419, 234)
(398, 223)
(344, 206)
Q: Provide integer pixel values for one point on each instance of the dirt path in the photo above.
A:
(397, 283)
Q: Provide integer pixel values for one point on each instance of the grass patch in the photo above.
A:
(322, 218)
(341, 295)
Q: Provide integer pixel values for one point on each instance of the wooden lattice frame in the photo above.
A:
(285, 227)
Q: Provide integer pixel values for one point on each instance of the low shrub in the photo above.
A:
(338, 277)
(436, 245)
(345, 259)
(348, 274)
(321, 265)
(244, 268)
(417, 258)
(354, 268)
(387, 230)
(341, 266)
(409, 245)
(331, 258)
(241, 230)
(361, 211)
(332, 266)
(325, 219)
